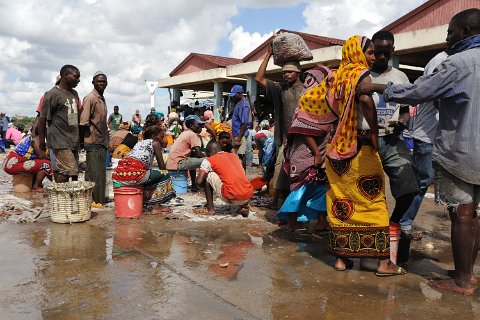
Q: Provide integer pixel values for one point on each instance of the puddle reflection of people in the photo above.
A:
(230, 261)
(222, 173)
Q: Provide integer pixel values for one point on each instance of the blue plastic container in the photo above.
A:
(2, 146)
(180, 179)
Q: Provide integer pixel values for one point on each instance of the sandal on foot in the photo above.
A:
(399, 271)
(348, 265)
(203, 211)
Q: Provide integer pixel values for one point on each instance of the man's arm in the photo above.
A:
(201, 178)
(197, 153)
(370, 113)
(262, 70)
(157, 150)
(439, 84)
(205, 168)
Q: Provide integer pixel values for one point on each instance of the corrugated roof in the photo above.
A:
(216, 61)
(411, 14)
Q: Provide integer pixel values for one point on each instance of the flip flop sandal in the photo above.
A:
(398, 272)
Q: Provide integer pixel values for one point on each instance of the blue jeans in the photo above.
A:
(422, 164)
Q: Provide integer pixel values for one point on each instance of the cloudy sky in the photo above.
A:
(134, 41)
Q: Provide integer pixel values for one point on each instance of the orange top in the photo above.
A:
(229, 169)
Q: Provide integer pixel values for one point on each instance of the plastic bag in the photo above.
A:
(290, 47)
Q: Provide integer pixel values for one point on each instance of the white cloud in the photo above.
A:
(134, 41)
(244, 42)
(342, 18)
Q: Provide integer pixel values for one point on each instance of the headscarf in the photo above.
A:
(335, 97)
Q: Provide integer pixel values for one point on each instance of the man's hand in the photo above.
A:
(318, 160)
(237, 143)
(42, 155)
(270, 50)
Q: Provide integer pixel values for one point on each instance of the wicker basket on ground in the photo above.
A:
(70, 201)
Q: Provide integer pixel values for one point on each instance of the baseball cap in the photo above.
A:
(236, 89)
(194, 117)
(292, 66)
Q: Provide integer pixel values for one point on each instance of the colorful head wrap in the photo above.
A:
(334, 98)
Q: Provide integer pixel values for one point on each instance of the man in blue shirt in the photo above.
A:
(240, 122)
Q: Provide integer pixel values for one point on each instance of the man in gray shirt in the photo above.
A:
(424, 127)
(284, 97)
(456, 151)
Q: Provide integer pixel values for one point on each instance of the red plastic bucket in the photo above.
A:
(128, 202)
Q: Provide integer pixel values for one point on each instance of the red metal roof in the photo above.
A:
(430, 14)
(210, 62)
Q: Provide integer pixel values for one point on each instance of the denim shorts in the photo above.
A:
(452, 191)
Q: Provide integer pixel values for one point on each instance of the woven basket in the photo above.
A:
(70, 201)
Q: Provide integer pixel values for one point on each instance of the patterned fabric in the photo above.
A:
(143, 152)
(356, 206)
(335, 98)
(24, 148)
(299, 160)
(130, 172)
(121, 152)
(15, 164)
(220, 127)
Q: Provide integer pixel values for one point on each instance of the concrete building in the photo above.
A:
(419, 35)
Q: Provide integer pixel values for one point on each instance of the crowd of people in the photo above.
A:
(336, 134)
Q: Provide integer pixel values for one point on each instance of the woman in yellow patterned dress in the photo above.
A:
(356, 204)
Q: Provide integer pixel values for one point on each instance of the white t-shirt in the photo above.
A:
(386, 111)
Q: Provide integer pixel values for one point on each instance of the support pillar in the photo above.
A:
(176, 95)
(218, 98)
(252, 88)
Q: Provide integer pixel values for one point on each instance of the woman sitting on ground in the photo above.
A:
(136, 168)
(122, 142)
(27, 158)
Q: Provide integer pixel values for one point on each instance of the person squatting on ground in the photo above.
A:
(456, 151)
(222, 173)
(284, 97)
(185, 153)
(240, 122)
(94, 131)
(60, 110)
(356, 204)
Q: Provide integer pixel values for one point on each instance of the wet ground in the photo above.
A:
(226, 267)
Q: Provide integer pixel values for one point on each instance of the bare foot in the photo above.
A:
(204, 211)
(159, 209)
(37, 189)
(473, 281)
(244, 211)
(450, 285)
